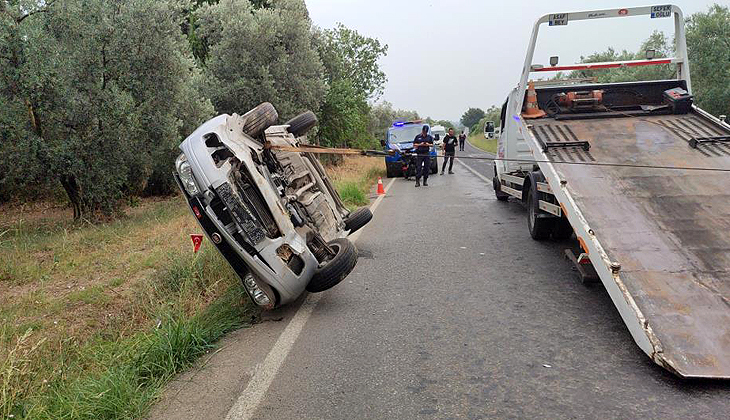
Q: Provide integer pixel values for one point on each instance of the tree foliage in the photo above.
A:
(657, 41)
(382, 115)
(90, 103)
(353, 75)
(472, 116)
(260, 55)
(708, 39)
(348, 55)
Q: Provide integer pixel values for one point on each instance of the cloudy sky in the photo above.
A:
(445, 56)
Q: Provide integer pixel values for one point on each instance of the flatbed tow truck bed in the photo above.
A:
(669, 230)
(624, 167)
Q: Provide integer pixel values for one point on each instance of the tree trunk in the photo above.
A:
(74, 194)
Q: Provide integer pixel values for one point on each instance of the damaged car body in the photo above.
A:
(274, 215)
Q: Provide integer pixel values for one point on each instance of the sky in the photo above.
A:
(446, 56)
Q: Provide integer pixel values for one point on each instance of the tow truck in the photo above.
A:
(641, 176)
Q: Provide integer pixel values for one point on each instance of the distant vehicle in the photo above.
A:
(489, 130)
(438, 132)
(657, 239)
(400, 139)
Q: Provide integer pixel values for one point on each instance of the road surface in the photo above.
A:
(453, 312)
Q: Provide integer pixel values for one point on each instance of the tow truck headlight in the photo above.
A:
(186, 175)
(259, 296)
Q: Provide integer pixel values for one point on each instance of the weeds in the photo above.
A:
(16, 371)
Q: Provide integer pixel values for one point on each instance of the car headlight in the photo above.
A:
(186, 175)
(258, 295)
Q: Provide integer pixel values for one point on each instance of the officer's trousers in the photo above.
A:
(423, 166)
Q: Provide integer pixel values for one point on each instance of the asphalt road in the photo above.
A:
(453, 312)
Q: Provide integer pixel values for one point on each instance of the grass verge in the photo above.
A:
(95, 319)
(354, 178)
(488, 145)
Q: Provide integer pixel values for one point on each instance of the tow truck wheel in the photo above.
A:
(259, 119)
(498, 186)
(562, 229)
(540, 227)
(302, 123)
(331, 272)
(498, 190)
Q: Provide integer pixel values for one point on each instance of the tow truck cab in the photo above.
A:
(399, 138)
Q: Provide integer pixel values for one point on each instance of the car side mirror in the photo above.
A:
(382, 143)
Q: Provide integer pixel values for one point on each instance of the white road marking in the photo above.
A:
(483, 178)
(245, 406)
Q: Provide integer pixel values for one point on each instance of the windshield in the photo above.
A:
(404, 134)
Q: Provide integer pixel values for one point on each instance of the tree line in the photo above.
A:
(96, 96)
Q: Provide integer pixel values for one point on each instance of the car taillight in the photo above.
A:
(197, 212)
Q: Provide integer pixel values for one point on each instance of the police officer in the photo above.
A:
(462, 139)
(423, 143)
(449, 151)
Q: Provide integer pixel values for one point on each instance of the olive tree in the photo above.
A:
(258, 55)
(708, 43)
(109, 89)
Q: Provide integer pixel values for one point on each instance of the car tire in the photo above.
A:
(302, 123)
(358, 219)
(434, 166)
(393, 171)
(259, 119)
(540, 227)
(336, 269)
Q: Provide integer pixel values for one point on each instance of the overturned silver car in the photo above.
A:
(274, 215)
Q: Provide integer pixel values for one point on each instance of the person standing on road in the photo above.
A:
(423, 143)
(449, 151)
(462, 139)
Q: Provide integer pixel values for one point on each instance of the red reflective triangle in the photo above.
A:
(197, 241)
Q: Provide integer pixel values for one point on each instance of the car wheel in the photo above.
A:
(358, 219)
(302, 123)
(336, 269)
(540, 227)
(259, 119)
(393, 171)
(434, 166)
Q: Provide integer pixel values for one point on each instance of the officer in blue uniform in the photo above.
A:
(423, 143)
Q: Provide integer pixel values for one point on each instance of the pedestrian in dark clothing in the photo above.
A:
(449, 151)
(423, 143)
(462, 139)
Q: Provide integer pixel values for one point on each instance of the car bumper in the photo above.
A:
(288, 273)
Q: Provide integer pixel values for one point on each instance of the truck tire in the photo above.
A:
(259, 119)
(336, 269)
(358, 219)
(302, 123)
(498, 190)
(540, 227)
(562, 230)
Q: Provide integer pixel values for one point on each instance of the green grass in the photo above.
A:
(355, 178)
(139, 366)
(488, 145)
(112, 377)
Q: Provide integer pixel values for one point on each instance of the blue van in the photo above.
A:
(400, 139)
